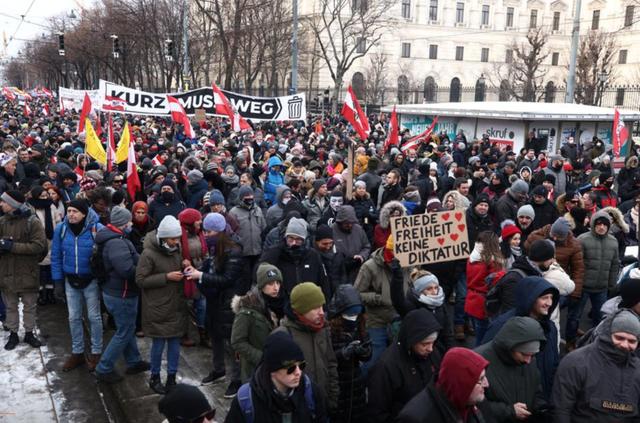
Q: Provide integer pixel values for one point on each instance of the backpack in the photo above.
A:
(245, 400)
(493, 299)
(96, 262)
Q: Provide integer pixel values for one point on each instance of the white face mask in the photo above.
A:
(350, 317)
(285, 200)
(335, 202)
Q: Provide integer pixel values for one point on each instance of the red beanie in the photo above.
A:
(509, 231)
(459, 373)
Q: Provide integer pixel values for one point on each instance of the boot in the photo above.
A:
(92, 361)
(469, 329)
(459, 332)
(12, 342)
(31, 339)
(204, 338)
(186, 342)
(171, 382)
(42, 299)
(49, 297)
(156, 385)
(74, 360)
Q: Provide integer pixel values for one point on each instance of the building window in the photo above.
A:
(622, 57)
(406, 49)
(403, 89)
(556, 21)
(510, 12)
(406, 9)
(628, 16)
(508, 57)
(550, 92)
(620, 97)
(357, 82)
(595, 20)
(459, 53)
(484, 55)
(433, 10)
(454, 91)
(555, 57)
(433, 51)
(533, 19)
(481, 88)
(459, 12)
(360, 6)
(361, 46)
(430, 90)
(485, 15)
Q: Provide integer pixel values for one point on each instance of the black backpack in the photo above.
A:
(493, 300)
(96, 262)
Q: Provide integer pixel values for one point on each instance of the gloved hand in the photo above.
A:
(348, 350)
(395, 265)
(363, 351)
(5, 245)
(58, 291)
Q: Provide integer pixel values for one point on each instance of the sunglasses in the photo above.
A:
(301, 365)
(209, 415)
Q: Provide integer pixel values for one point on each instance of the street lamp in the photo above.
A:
(602, 80)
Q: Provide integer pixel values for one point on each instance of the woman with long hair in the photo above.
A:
(510, 239)
(56, 199)
(485, 259)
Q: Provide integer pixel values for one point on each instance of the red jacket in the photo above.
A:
(477, 288)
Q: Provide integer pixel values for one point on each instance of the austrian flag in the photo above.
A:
(115, 104)
(180, 116)
(353, 113)
(225, 108)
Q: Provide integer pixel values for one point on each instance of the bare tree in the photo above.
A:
(594, 66)
(376, 78)
(346, 30)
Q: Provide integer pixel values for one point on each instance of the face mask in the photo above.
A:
(557, 167)
(296, 251)
(169, 249)
(167, 196)
(248, 201)
(286, 200)
(335, 202)
(350, 323)
(127, 230)
(608, 184)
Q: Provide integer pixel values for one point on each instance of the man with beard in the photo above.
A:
(525, 215)
(391, 190)
(478, 218)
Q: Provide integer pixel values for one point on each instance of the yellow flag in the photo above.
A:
(93, 146)
(122, 153)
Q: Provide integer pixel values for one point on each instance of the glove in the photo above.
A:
(395, 265)
(58, 291)
(5, 245)
(363, 351)
(348, 351)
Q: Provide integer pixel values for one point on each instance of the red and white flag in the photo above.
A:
(224, 107)
(61, 107)
(111, 146)
(9, 94)
(392, 136)
(46, 110)
(414, 142)
(210, 144)
(133, 180)
(115, 104)
(27, 110)
(98, 125)
(180, 116)
(620, 133)
(353, 113)
(46, 92)
(84, 114)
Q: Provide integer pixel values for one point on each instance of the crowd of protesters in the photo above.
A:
(254, 246)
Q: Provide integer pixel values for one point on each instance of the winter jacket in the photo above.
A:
(557, 277)
(120, 259)
(70, 254)
(568, 255)
(158, 209)
(619, 228)
(631, 219)
(597, 383)
(19, 270)
(570, 151)
(374, 283)
(275, 212)
(560, 186)
(373, 181)
(251, 224)
(477, 224)
(314, 210)
(348, 245)
(274, 179)
(527, 292)
(164, 309)
(507, 285)
(195, 194)
(600, 258)
(546, 214)
(477, 288)
(56, 218)
(605, 197)
(322, 365)
(432, 406)
(366, 214)
(629, 190)
(389, 193)
(383, 229)
(399, 374)
(507, 207)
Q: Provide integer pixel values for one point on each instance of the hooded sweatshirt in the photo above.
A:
(601, 260)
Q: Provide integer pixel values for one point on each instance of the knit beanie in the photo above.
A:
(305, 297)
(297, 227)
(527, 210)
(520, 187)
(194, 176)
(530, 347)
(318, 183)
(244, 191)
(214, 222)
(120, 216)
(79, 205)
(324, 232)
(560, 228)
(539, 190)
(423, 282)
(184, 403)
(169, 228)
(509, 229)
(267, 273)
(459, 373)
(542, 250)
(216, 197)
(280, 351)
(13, 198)
(626, 321)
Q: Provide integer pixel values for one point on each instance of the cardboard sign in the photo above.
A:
(430, 237)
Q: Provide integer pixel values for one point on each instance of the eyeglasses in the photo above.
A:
(482, 380)
(209, 415)
(301, 365)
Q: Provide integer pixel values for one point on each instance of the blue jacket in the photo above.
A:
(120, 259)
(527, 291)
(274, 180)
(196, 193)
(70, 254)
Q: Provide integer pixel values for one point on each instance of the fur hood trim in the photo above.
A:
(387, 210)
(617, 218)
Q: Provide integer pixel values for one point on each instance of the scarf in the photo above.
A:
(275, 305)
(433, 301)
(516, 251)
(45, 206)
(187, 218)
(308, 323)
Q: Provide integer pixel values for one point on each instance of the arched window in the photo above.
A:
(357, 82)
(454, 90)
(550, 92)
(430, 89)
(504, 95)
(481, 88)
(403, 89)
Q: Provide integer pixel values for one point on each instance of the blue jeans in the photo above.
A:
(379, 343)
(575, 309)
(461, 295)
(480, 326)
(76, 298)
(124, 311)
(173, 355)
(200, 307)
(3, 310)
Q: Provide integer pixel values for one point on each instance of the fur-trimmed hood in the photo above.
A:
(617, 218)
(251, 299)
(560, 204)
(460, 201)
(387, 210)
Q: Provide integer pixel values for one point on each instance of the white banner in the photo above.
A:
(72, 99)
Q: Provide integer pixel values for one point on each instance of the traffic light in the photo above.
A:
(168, 43)
(61, 44)
(116, 46)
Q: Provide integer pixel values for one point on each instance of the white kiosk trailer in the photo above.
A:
(508, 123)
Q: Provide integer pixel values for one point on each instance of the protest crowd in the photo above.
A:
(281, 255)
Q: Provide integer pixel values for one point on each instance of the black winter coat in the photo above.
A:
(477, 224)
(158, 209)
(507, 285)
(366, 214)
(431, 406)
(546, 214)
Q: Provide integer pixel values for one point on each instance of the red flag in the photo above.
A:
(180, 116)
(392, 138)
(9, 94)
(45, 110)
(414, 142)
(353, 113)
(98, 124)
(133, 180)
(114, 103)
(224, 107)
(47, 92)
(61, 104)
(27, 110)
(111, 146)
(620, 133)
(86, 109)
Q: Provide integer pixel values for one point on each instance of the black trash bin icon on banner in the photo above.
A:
(295, 107)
